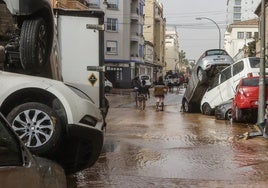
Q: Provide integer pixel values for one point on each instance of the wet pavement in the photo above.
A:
(173, 149)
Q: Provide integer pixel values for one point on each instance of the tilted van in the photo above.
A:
(224, 85)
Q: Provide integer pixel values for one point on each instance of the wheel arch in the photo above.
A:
(34, 95)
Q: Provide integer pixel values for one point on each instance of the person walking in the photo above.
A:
(160, 89)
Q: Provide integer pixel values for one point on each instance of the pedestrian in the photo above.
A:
(160, 90)
(144, 89)
(136, 82)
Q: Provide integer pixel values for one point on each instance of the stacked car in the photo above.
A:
(208, 65)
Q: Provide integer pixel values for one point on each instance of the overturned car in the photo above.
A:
(26, 34)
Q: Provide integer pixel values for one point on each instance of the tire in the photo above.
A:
(206, 109)
(201, 75)
(228, 114)
(238, 114)
(186, 106)
(38, 126)
(34, 44)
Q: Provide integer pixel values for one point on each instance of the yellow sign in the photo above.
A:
(92, 79)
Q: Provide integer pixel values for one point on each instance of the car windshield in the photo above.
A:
(215, 52)
(252, 82)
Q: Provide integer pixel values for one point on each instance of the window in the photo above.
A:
(237, 9)
(256, 35)
(94, 3)
(112, 24)
(237, 2)
(238, 67)
(111, 47)
(140, 50)
(226, 74)
(248, 35)
(240, 35)
(237, 16)
(112, 4)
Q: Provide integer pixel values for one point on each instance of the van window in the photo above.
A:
(238, 67)
(226, 74)
(254, 63)
(215, 82)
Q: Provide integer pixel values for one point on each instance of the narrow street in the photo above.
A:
(173, 149)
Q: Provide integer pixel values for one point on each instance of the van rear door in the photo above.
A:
(81, 40)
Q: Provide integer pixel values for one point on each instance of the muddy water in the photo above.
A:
(174, 149)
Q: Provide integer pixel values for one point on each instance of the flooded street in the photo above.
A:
(173, 149)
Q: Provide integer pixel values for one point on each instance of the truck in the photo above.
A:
(63, 45)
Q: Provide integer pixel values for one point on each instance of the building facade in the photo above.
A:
(127, 53)
(238, 35)
(154, 32)
(241, 10)
(172, 51)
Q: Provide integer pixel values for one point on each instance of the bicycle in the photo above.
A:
(141, 101)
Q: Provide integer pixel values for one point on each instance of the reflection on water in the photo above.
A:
(174, 149)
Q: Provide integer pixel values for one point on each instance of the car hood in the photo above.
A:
(9, 80)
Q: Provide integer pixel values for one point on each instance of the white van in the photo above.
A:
(224, 84)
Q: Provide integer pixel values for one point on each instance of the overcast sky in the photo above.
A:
(196, 36)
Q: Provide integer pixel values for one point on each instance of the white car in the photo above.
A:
(52, 119)
(147, 79)
(224, 85)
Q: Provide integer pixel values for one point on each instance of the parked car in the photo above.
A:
(147, 79)
(245, 103)
(52, 119)
(108, 86)
(19, 168)
(224, 84)
(224, 110)
(208, 65)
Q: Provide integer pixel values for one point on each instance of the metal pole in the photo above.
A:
(262, 94)
(200, 18)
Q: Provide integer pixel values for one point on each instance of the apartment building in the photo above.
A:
(241, 10)
(238, 35)
(172, 51)
(154, 32)
(123, 39)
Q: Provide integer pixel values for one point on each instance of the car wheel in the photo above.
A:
(238, 114)
(228, 114)
(201, 75)
(37, 125)
(186, 106)
(206, 109)
(34, 47)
